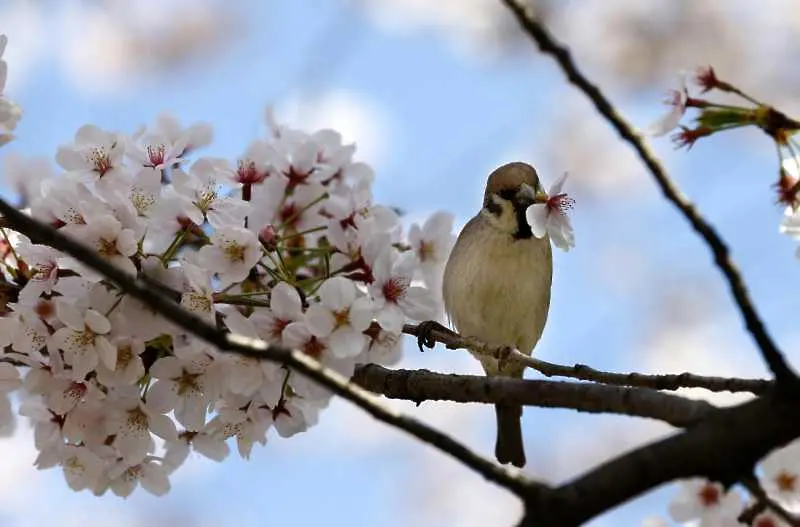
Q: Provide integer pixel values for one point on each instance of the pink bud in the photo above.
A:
(268, 237)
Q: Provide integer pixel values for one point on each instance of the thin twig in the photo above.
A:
(452, 340)
(424, 385)
(671, 381)
(753, 486)
(547, 44)
(140, 289)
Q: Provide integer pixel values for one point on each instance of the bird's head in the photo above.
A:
(510, 190)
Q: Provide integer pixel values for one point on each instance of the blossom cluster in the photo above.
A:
(714, 117)
(285, 245)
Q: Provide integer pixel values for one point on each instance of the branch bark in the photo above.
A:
(424, 385)
(582, 372)
(755, 326)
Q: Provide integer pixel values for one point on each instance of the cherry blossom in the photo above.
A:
(203, 197)
(83, 339)
(247, 426)
(342, 316)
(781, 474)
(111, 241)
(129, 367)
(395, 298)
(42, 263)
(82, 467)
(431, 243)
(186, 386)
(706, 502)
(255, 165)
(285, 307)
(232, 253)
(198, 293)
(193, 137)
(156, 151)
(132, 424)
(10, 113)
(96, 154)
(676, 99)
(248, 375)
(152, 476)
(768, 519)
(549, 217)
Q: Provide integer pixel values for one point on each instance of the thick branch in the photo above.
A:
(452, 340)
(548, 44)
(423, 385)
(723, 448)
(150, 296)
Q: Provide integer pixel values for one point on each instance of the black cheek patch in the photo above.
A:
(524, 231)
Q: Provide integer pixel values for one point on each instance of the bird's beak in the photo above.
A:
(526, 196)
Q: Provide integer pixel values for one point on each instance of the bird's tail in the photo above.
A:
(508, 448)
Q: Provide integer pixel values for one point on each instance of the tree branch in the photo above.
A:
(143, 291)
(547, 44)
(424, 385)
(721, 448)
(763, 501)
(452, 340)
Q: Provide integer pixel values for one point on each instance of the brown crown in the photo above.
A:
(510, 176)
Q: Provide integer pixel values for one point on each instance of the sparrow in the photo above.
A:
(496, 286)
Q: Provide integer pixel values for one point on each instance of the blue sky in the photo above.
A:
(435, 123)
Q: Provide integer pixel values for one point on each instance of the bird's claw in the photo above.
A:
(424, 333)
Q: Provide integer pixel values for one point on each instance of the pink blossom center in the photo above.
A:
(786, 482)
(297, 177)
(709, 495)
(44, 308)
(156, 154)
(314, 348)
(248, 174)
(289, 214)
(560, 203)
(395, 288)
(45, 271)
(99, 158)
(765, 521)
(277, 328)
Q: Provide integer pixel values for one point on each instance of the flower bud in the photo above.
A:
(268, 237)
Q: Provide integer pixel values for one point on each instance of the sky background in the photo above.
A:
(436, 95)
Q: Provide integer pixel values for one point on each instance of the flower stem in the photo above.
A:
(169, 253)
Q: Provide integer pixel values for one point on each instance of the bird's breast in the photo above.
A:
(497, 288)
